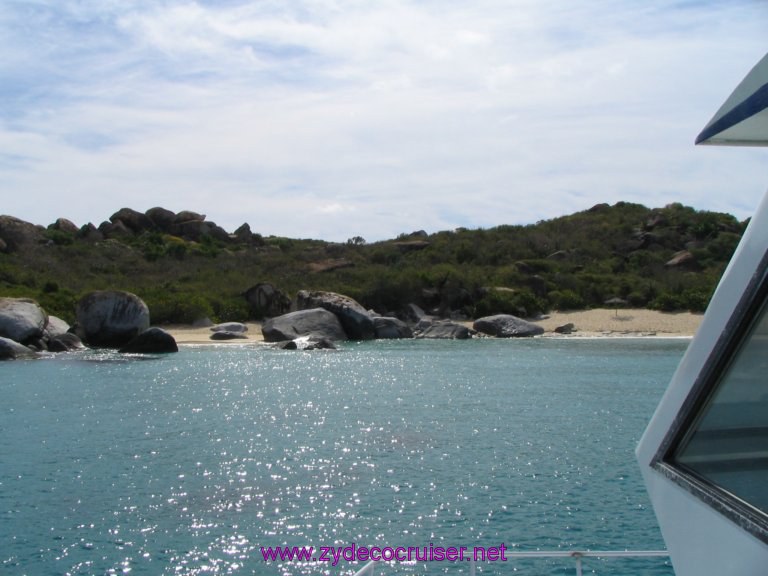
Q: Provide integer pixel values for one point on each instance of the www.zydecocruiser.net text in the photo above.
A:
(354, 553)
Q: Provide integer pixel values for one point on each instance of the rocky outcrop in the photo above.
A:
(16, 234)
(135, 221)
(195, 230)
(228, 335)
(161, 218)
(90, 233)
(319, 344)
(568, 328)
(64, 225)
(414, 314)
(22, 320)
(236, 327)
(192, 226)
(266, 301)
(111, 318)
(356, 320)
(10, 349)
(315, 322)
(188, 216)
(65, 343)
(116, 229)
(55, 327)
(243, 234)
(306, 344)
(683, 259)
(387, 327)
(445, 330)
(507, 326)
(151, 341)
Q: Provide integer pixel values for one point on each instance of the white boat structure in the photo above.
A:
(704, 455)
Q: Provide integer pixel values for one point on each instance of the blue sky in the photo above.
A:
(337, 118)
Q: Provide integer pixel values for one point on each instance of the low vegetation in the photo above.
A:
(665, 258)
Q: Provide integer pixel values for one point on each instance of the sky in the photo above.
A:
(331, 119)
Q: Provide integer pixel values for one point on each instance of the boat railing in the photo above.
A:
(370, 569)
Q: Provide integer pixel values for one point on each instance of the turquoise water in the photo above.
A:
(189, 463)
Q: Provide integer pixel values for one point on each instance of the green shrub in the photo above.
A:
(59, 237)
(565, 300)
(177, 308)
(60, 302)
(667, 302)
(695, 300)
(518, 303)
(232, 309)
(637, 299)
(175, 247)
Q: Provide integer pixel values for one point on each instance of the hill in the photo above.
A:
(185, 267)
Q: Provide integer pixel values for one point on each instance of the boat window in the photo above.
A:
(726, 444)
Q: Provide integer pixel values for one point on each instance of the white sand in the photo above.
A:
(612, 322)
(191, 335)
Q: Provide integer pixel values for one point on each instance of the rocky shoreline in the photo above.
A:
(597, 323)
(121, 320)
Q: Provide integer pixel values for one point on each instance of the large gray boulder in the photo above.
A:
(64, 225)
(90, 233)
(111, 318)
(151, 341)
(161, 218)
(55, 327)
(387, 327)
(116, 229)
(228, 335)
(133, 220)
(683, 259)
(65, 343)
(22, 319)
(10, 349)
(507, 326)
(230, 327)
(446, 330)
(243, 233)
(16, 233)
(267, 301)
(356, 320)
(188, 216)
(315, 322)
(195, 230)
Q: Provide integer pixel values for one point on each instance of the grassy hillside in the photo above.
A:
(666, 258)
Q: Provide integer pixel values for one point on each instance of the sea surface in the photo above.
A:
(190, 463)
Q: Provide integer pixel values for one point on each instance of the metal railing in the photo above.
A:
(576, 555)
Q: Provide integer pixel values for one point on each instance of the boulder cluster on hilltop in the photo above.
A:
(123, 224)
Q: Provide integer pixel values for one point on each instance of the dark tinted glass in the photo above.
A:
(728, 442)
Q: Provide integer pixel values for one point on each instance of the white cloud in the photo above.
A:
(332, 119)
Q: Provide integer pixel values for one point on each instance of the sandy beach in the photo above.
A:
(192, 335)
(624, 322)
(587, 323)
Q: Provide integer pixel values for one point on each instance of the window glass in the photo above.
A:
(728, 442)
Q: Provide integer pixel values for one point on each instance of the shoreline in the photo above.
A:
(624, 322)
(596, 323)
